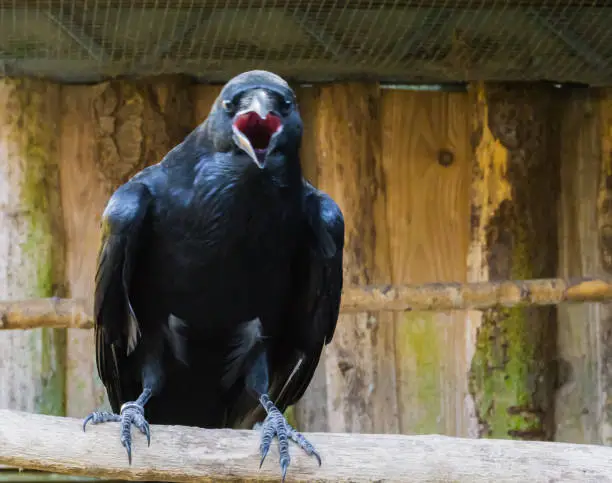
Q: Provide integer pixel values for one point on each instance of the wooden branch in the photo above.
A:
(52, 312)
(459, 296)
(177, 453)
(74, 314)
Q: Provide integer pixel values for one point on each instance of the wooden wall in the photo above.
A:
(423, 179)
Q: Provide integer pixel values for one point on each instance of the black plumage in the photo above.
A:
(219, 275)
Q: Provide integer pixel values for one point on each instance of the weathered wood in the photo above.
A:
(604, 234)
(32, 373)
(189, 454)
(514, 236)
(109, 132)
(360, 362)
(582, 327)
(437, 297)
(427, 206)
(203, 96)
(476, 295)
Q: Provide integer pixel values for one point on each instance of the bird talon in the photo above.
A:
(86, 420)
(128, 448)
(147, 432)
(284, 466)
(131, 413)
(275, 424)
(263, 457)
(98, 417)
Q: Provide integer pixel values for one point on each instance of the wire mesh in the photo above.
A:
(310, 40)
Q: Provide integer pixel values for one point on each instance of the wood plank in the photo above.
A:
(515, 188)
(32, 374)
(109, 132)
(191, 454)
(427, 207)
(604, 234)
(360, 362)
(578, 401)
(203, 96)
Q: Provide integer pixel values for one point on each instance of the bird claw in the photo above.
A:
(131, 413)
(275, 424)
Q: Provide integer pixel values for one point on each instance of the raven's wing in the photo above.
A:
(316, 296)
(115, 324)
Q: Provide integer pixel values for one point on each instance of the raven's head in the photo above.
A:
(258, 110)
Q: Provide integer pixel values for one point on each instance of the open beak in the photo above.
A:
(255, 127)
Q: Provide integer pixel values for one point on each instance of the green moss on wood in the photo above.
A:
(501, 376)
(418, 342)
(513, 372)
(37, 136)
(509, 363)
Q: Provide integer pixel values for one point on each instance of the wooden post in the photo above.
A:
(426, 158)
(583, 408)
(32, 374)
(579, 400)
(203, 96)
(515, 189)
(360, 362)
(109, 132)
(604, 235)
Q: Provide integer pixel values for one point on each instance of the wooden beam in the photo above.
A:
(515, 188)
(583, 341)
(148, 5)
(186, 454)
(427, 209)
(439, 297)
(31, 241)
(360, 360)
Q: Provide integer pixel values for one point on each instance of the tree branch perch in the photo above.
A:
(177, 453)
(73, 313)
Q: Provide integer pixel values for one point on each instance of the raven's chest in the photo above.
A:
(228, 257)
(241, 229)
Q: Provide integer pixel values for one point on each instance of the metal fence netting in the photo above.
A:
(309, 40)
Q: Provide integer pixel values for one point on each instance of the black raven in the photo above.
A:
(219, 275)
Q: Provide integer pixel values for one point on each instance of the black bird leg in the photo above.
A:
(132, 412)
(275, 423)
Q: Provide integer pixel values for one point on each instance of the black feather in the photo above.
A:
(207, 262)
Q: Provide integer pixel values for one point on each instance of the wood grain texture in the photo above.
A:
(515, 188)
(604, 235)
(203, 96)
(360, 362)
(579, 399)
(31, 241)
(427, 207)
(109, 132)
(187, 454)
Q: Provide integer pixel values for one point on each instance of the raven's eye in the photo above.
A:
(228, 106)
(286, 105)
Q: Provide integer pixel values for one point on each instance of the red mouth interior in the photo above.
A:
(258, 131)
